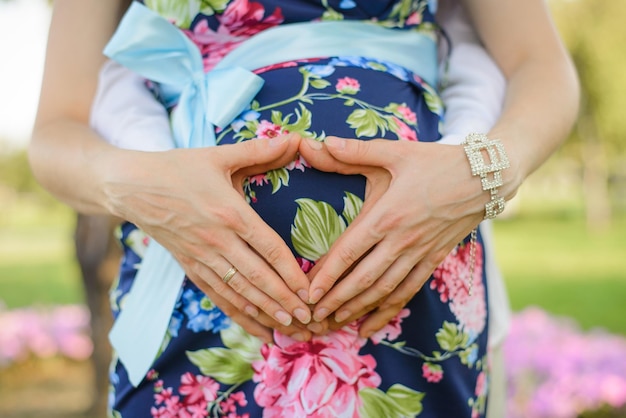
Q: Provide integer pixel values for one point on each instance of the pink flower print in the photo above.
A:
(404, 132)
(198, 388)
(392, 330)
(197, 410)
(259, 179)
(348, 85)
(298, 164)
(162, 395)
(450, 279)
(160, 412)
(407, 114)
(481, 384)
(229, 405)
(245, 18)
(267, 129)
(153, 375)
(305, 264)
(172, 407)
(414, 18)
(241, 20)
(318, 378)
(433, 373)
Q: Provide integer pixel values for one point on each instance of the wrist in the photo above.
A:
(488, 160)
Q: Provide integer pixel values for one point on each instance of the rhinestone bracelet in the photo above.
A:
(476, 146)
(490, 172)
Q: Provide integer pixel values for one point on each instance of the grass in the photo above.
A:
(554, 262)
(548, 259)
(37, 257)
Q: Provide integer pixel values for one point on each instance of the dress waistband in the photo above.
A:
(150, 45)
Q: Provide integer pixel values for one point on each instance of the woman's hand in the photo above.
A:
(389, 251)
(186, 200)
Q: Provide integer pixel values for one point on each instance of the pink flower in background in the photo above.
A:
(348, 85)
(44, 332)
(557, 371)
(319, 378)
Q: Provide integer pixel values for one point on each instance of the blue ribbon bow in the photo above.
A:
(157, 50)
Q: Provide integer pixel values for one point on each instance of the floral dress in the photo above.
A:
(430, 360)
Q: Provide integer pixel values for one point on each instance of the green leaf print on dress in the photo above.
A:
(231, 365)
(399, 402)
(317, 225)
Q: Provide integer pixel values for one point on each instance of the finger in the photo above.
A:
(318, 156)
(260, 284)
(289, 155)
(371, 280)
(370, 297)
(273, 266)
(376, 152)
(257, 152)
(397, 300)
(358, 239)
(273, 251)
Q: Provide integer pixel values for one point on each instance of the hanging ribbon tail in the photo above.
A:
(138, 332)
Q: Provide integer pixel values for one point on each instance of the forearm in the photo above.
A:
(541, 105)
(65, 154)
(542, 94)
(72, 163)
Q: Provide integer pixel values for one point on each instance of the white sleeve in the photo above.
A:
(473, 96)
(126, 114)
(473, 85)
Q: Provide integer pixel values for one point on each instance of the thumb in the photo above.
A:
(259, 152)
(375, 152)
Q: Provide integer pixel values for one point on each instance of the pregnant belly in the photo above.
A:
(309, 208)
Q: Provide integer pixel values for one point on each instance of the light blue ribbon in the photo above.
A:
(151, 46)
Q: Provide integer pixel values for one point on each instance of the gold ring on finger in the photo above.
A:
(229, 274)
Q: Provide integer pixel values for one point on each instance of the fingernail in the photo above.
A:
(277, 140)
(298, 337)
(316, 296)
(314, 144)
(320, 314)
(303, 316)
(335, 142)
(283, 317)
(251, 310)
(303, 295)
(342, 315)
(315, 327)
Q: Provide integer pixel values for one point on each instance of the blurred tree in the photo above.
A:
(595, 34)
